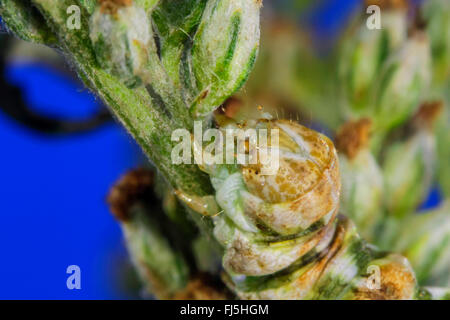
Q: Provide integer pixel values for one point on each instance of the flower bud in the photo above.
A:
(162, 267)
(150, 250)
(224, 51)
(436, 293)
(361, 177)
(387, 277)
(443, 152)
(122, 37)
(402, 83)
(409, 165)
(363, 55)
(424, 239)
(437, 16)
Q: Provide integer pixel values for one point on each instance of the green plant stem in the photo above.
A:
(149, 125)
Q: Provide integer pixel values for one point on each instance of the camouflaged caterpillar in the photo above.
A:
(282, 234)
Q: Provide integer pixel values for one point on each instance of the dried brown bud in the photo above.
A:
(427, 114)
(111, 6)
(353, 136)
(131, 187)
(397, 281)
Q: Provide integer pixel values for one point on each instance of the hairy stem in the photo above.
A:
(149, 125)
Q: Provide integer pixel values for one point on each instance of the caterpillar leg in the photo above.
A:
(206, 205)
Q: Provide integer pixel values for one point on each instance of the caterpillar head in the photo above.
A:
(303, 157)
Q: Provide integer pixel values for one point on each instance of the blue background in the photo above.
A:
(53, 211)
(52, 189)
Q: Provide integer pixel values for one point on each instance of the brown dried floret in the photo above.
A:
(427, 114)
(111, 6)
(353, 136)
(397, 283)
(131, 187)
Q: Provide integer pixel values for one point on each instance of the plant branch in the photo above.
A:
(149, 125)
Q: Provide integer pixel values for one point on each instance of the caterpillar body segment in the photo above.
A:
(275, 248)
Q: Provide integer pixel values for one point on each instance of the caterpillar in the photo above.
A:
(283, 235)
